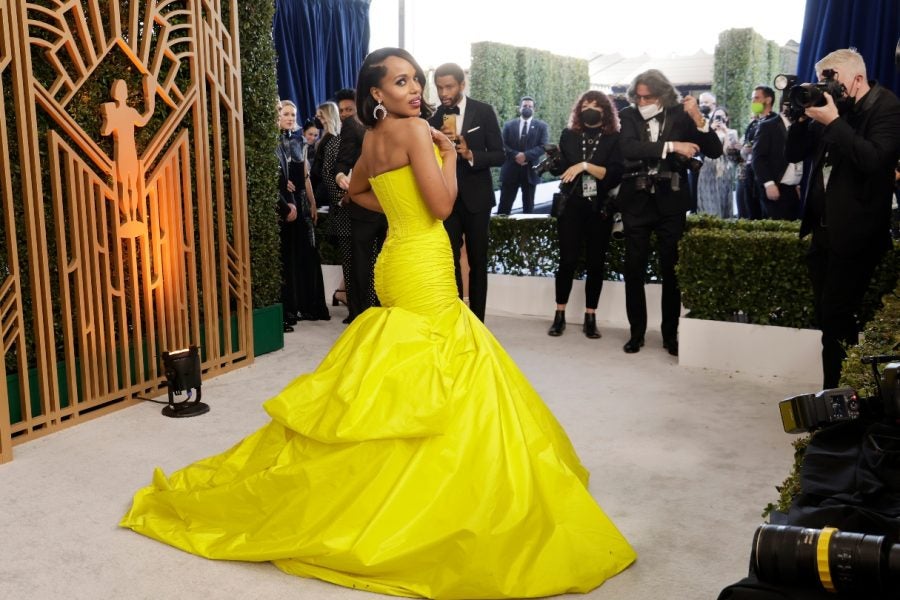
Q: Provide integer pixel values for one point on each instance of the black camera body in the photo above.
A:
(801, 96)
(550, 160)
(808, 412)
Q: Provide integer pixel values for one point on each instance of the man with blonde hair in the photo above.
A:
(853, 143)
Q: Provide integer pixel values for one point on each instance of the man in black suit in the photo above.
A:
(368, 228)
(473, 126)
(779, 179)
(660, 135)
(853, 142)
(750, 195)
(523, 143)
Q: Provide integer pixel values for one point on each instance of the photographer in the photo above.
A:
(853, 140)
(590, 162)
(660, 136)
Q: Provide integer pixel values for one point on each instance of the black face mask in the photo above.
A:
(591, 117)
(526, 113)
(705, 110)
(318, 123)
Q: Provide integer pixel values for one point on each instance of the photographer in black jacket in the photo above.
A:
(853, 141)
(660, 135)
(590, 162)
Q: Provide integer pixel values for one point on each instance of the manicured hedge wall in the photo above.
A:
(260, 132)
(743, 60)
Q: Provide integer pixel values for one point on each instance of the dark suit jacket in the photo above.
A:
(862, 146)
(352, 134)
(768, 160)
(677, 126)
(533, 147)
(481, 130)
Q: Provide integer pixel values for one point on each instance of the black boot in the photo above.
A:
(590, 326)
(559, 324)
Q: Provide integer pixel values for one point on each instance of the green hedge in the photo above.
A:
(755, 271)
(260, 132)
(743, 60)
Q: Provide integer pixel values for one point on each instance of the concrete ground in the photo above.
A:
(682, 459)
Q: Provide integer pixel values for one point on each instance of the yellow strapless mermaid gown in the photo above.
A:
(416, 460)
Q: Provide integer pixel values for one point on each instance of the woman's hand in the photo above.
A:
(291, 187)
(445, 146)
(574, 171)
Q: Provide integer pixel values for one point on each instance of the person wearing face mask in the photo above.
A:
(852, 144)
(523, 144)
(750, 195)
(660, 134)
(590, 163)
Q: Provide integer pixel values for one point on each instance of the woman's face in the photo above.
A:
(720, 117)
(591, 114)
(311, 135)
(400, 90)
(287, 118)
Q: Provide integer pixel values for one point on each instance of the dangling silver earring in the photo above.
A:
(379, 107)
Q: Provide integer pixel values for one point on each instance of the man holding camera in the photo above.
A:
(852, 138)
(523, 144)
(660, 136)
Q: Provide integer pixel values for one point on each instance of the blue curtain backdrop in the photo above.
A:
(870, 26)
(320, 45)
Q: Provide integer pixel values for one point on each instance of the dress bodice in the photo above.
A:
(415, 267)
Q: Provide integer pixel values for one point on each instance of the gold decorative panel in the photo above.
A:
(124, 223)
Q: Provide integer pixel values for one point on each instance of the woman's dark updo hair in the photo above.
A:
(370, 75)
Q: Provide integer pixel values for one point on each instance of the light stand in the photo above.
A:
(182, 368)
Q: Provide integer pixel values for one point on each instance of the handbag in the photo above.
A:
(558, 207)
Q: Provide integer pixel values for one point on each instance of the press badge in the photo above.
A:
(588, 186)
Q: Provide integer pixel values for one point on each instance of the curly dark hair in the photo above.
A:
(610, 122)
(370, 75)
(658, 84)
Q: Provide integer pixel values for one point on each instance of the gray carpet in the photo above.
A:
(683, 461)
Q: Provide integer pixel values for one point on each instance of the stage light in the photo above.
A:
(182, 368)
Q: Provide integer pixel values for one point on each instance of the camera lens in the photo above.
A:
(806, 95)
(829, 559)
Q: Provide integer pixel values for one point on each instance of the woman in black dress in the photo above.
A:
(303, 294)
(327, 189)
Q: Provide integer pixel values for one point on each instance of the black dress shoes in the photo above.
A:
(633, 345)
(590, 326)
(671, 345)
(559, 324)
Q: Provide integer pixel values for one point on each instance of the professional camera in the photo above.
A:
(865, 566)
(802, 96)
(681, 161)
(550, 160)
(807, 412)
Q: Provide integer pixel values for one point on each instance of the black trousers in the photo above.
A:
(668, 229)
(471, 228)
(509, 187)
(787, 207)
(582, 228)
(839, 282)
(366, 239)
(748, 201)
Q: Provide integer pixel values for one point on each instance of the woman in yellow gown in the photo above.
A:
(416, 460)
